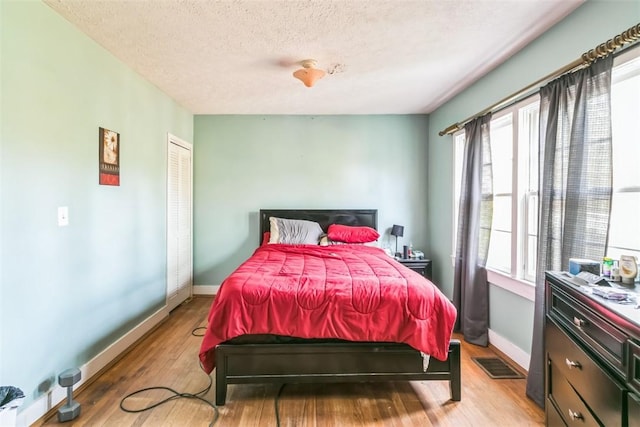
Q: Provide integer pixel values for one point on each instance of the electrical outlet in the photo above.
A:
(63, 216)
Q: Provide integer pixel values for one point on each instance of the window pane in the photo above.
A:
(500, 243)
(500, 251)
(624, 231)
(528, 123)
(625, 111)
(501, 213)
(532, 215)
(502, 154)
(530, 269)
(528, 131)
(533, 154)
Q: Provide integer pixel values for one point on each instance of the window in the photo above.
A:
(514, 157)
(624, 231)
(514, 151)
(501, 130)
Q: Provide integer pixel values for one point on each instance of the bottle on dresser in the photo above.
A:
(628, 269)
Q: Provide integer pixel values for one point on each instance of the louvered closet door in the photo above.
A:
(179, 222)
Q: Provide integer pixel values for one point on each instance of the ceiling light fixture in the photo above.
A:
(308, 74)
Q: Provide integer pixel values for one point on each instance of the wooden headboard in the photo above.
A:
(324, 217)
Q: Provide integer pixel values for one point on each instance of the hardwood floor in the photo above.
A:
(169, 357)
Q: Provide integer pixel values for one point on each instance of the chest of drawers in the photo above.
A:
(592, 349)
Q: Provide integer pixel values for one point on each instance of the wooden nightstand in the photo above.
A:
(422, 266)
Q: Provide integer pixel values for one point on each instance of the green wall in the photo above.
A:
(69, 292)
(245, 163)
(591, 24)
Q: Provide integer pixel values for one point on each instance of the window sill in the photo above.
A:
(519, 287)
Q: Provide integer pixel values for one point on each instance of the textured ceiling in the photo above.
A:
(382, 57)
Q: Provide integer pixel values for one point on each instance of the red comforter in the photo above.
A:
(349, 292)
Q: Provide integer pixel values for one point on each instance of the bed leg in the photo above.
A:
(221, 378)
(221, 391)
(454, 366)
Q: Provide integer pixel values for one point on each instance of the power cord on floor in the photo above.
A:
(176, 395)
(197, 396)
(195, 332)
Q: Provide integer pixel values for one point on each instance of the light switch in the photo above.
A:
(63, 216)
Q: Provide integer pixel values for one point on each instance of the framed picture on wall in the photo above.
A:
(109, 163)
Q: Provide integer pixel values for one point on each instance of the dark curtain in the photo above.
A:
(470, 289)
(575, 186)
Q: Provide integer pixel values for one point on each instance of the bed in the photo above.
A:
(272, 345)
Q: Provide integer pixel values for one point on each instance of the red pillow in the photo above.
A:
(266, 236)
(351, 234)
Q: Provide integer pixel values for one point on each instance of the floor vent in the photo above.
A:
(497, 368)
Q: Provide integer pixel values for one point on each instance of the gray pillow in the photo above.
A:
(294, 231)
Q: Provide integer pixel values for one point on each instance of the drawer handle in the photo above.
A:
(579, 322)
(572, 364)
(575, 415)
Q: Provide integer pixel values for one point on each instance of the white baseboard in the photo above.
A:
(205, 289)
(514, 352)
(57, 394)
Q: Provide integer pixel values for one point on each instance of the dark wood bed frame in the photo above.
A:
(323, 362)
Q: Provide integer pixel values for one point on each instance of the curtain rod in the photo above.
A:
(629, 36)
